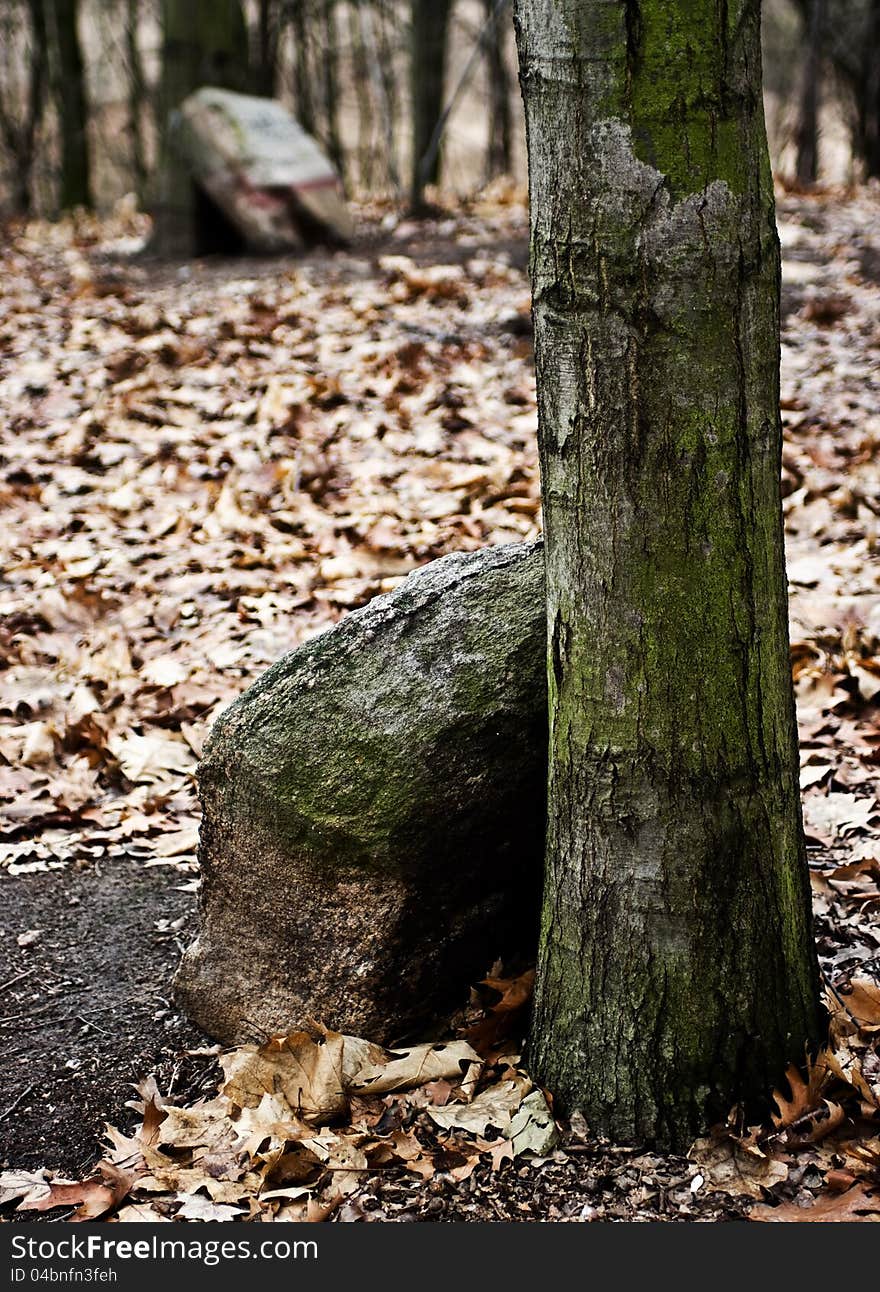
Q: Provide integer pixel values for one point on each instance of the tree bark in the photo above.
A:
(330, 76)
(807, 166)
(429, 42)
(386, 18)
(204, 42)
(304, 97)
(19, 135)
(361, 68)
(851, 44)
(379, 83)
(137, 97)
(677, 971)
(869, 106)
(265, 72)
(73, 112)
(499, 154)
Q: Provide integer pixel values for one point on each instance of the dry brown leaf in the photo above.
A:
(503, 1017)
(205, 1125)
(28, 1185)
(493, 1107)
(863, 1002)
(402, 1069)
(92, 1198)
(305, 1070)
(728, 1168)
(829, 815)
(148, 759)
(196, 1208)
(858, 1203)
(805, 1095)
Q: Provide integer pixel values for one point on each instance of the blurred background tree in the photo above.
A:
(403, 95)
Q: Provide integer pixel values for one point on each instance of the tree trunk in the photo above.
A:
(19, 135)
(869, 110)
(387, 18)
(380, 91)
(137, 97)
(807, 166)
(361, 69)
(429, 41)
(265, 74)
(330, 70)
(204, 42)
(73, 113)
(677, 971)
(304, 98)
(499, 154)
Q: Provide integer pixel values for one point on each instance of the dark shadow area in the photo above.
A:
(214, 233)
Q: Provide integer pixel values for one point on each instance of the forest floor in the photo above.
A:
(202, 465)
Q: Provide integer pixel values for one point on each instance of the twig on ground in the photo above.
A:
(12, 1107)
(18, 978)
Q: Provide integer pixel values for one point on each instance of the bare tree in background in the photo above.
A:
(850, 38)
(379, 83)
(868, 98)
(304, 101)
(330, 83)
(69, 92)
(138, 97)
(428, 51)
(265, 72)
(808, 119)
(499, 153)
(19, 123)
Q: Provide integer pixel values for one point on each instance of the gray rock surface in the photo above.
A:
(265, 173)
(374, 810)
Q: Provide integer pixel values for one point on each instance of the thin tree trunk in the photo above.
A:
(362, 85)
(305, 99)
(677, 971)
(330, 70)
(870, 113)
(20, 136)
(266, 70)
(73, 112)
(371, 50)
(429, 42)
(387, 16)
(807, 167)
(499, 154)
(137, 97)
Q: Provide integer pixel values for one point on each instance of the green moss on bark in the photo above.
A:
(677, 971)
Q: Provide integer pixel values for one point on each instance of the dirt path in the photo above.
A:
(85, 1006)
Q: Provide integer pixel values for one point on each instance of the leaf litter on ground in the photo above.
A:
(205, 467)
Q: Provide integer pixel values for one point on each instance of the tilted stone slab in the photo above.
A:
(374, 810)
(268, 176)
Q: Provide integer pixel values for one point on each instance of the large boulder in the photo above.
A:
(374, 810)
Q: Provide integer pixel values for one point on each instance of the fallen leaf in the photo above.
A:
(401, 1069)
(863, 1002)
(727, 1168)
(493, 1107)
(303, 1069)
(858, 1203)
(532, 1129)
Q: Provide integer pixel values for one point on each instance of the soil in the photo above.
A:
(85, 1009)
